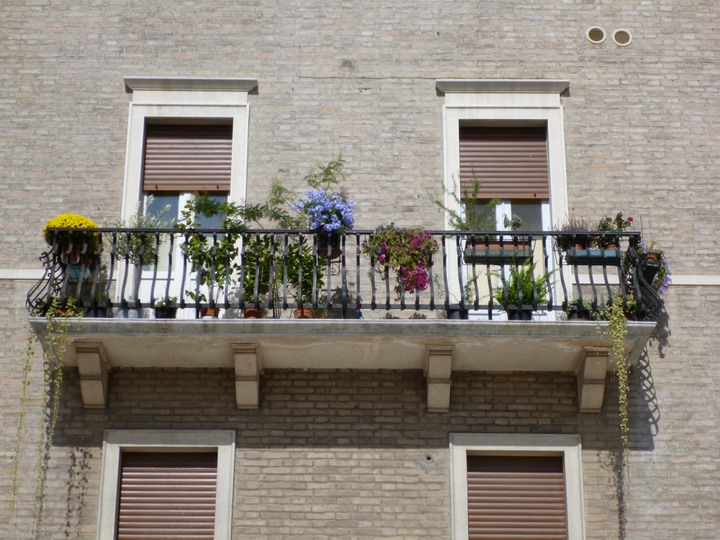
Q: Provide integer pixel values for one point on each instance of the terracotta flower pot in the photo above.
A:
(253, 313)
(304, 313)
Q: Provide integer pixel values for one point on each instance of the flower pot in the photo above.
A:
(595, 257)
(166, 312)
(457, 314)
(328, 244)
(519, 314)
(98, 312)
(209, 312)
(304, 313)
(496, 252)
(253, 313)
(578, 315)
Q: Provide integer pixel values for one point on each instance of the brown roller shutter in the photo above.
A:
(167, 495)
(516, 497)
(508, 162)
(182, 157)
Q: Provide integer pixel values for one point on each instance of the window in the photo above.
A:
(136, 463)
(507, 485)
(184, 135)
(507, 134)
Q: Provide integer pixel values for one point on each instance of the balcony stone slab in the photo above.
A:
(436, 346)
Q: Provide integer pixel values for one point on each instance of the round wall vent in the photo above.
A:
(622, 37)
(595, 34)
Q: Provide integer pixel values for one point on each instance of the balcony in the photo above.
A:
(472, 314)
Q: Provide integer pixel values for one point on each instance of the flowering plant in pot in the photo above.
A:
(612, 226)
(326, 209)
(406, 251)
(578, 237)
(655, 266)
(73, 247)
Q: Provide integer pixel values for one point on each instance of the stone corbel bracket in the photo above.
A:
(593, 367)
(438, 371)
(93, 367)
(248, 369)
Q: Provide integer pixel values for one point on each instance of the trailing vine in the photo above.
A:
(56, 311)
(614, 314)
(27, 368)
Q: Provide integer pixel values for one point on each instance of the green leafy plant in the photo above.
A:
(212, 255)
(406, 251)
(305, 273)
(141, 247)
(583, 309)
(474, 214)
(257, 261)
(166, 302)
(522, 281)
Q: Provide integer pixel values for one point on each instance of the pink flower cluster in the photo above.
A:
(416, 279)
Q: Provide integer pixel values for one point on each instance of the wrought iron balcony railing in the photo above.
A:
(489, 275)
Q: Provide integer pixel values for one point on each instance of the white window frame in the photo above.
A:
(505, 102)
(115, 441)
(187, 98)
(567, 446)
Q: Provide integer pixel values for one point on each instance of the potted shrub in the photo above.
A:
(256, 263)
(477, 215)
(305, 276)
(522, 281)
(136, 245)
(406, 251)
(99, 308)
(166, 307)
(211, 255)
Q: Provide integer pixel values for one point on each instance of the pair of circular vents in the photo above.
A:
(621, 37)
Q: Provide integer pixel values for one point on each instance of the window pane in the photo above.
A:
(531, 215)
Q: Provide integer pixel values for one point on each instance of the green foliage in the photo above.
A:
(141, 247)
(523, 281)
(56, 310)
(475, 215)
(256, 264)
(212, 254)
(301, 273)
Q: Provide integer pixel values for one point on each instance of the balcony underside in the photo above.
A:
(438, 347)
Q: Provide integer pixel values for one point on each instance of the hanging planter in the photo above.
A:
(329, 243)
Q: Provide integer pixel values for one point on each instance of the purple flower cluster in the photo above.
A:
(330, 212)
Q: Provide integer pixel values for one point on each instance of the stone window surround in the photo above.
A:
(504, 102)
(568, 446)
(186, 98)
(115, 441)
